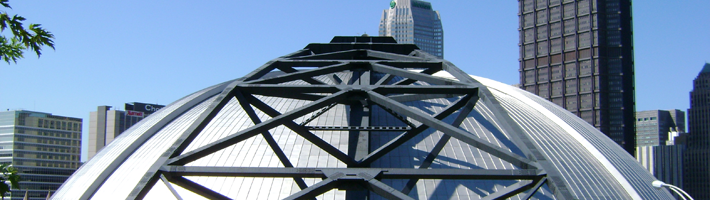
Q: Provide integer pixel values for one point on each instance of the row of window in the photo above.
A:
(529, 5)
(555, 46)
(559, 72)
(555, 14)
(61, 125)
(48, 133)
(556, 30)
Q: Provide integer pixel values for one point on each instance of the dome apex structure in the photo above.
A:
(361, 118)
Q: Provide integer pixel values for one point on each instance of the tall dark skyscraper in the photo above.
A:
(697, 157)
(579, 55)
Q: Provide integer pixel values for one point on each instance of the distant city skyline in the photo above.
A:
(109, 53)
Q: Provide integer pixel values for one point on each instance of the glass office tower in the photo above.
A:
(579, 55)
(697, 157)
(414, 22)
(45, 149)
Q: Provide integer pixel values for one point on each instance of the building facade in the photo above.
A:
(579, 55)
(414, 22)
(45, 149)
(697, 158)
(654, 127)
(106, 124)
(664, 162)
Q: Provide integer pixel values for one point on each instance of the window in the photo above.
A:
(583, 23)
(586, 101)
(556, 46)
(542, 48)
(570, 42)
(528, 20)
(570, 70)
(544, 90)
(555, 13)
(527, 5)
(541, 4)
(543, 75)
(571, 87)
(529, 50)
(530, 77)
(556, 29)
(556, 72)
(585, 68)
(585, 85)
(542, 33)
(528, 34)
(557, 89)
(569, 26)
(614, 38)
(571, 103)
(541, 17)
(554, 2)
(583, 7)
(568, 10)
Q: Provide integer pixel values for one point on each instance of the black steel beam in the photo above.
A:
(387, 173)
(254, 130)
(510, 191)
(310, 80)
(401, 139)
(425, 89)
(363, 128)
(268, 137)
(299, 75)
(413, 64)
(384, 190)
(414, 75)
(170, 187)
(534, 189)
(196, 188)
(391, 56)
(316, 189)
(457, 133)
(299, 96)
(276, 90)
(385, 79)
(347, 54)
(418, 97)
(303, 132)
(429, 71)
(439, 146)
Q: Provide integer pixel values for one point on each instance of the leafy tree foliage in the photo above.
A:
(32, 38)
(9, 174)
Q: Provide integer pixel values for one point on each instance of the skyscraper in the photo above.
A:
(579, 55)
(653, 126)
(106, 124)
(414, 22)
(697, 158)
(45, 149)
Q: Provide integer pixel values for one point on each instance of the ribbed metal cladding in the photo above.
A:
(465, 137)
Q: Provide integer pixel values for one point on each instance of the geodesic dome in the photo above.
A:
(361, 117)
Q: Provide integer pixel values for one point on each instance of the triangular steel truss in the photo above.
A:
(406, 75)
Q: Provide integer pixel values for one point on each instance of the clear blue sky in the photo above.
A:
(113, 52)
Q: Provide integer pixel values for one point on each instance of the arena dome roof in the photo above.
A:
(361, 117)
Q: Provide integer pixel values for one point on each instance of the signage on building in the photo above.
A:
(134, 113)
(143, 107)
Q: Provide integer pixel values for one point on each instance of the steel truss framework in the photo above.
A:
(401, 65)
